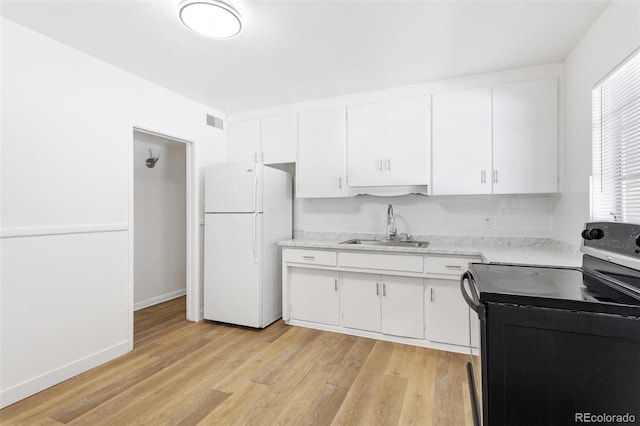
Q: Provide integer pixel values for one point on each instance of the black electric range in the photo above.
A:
(560, 345)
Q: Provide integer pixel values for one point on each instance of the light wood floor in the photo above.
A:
(207, 373)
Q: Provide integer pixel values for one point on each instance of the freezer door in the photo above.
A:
(232, 269)
(233, 189)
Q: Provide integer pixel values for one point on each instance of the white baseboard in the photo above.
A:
(53, 377)
(159, 299)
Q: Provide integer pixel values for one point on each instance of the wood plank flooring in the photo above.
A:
(155, 319)
(212, 374)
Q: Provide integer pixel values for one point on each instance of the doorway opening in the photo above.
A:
(160, 233)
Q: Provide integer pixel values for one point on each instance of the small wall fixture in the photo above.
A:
(151, 161)
(210, 18)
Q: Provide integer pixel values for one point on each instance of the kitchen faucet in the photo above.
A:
(391, 225)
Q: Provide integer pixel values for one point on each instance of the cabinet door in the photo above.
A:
(525, 137)
(408, 146)
(367, 159)
(279, 135)
(461, 142)
(447, 313)
(403, 306)
(244, 142)
(314, 295)
(320, 168)
(360, 301)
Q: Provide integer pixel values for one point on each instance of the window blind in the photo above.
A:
(615, 186)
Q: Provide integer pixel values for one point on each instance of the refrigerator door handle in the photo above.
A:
(255, 191)
(255, 238)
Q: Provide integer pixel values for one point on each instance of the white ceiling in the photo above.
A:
(298, 50)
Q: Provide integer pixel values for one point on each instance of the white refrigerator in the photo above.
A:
(247, 211)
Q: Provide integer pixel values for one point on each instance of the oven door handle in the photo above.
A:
(472, 300)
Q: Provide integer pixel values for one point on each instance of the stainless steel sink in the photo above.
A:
(388, 243)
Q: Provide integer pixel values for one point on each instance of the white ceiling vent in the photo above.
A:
(214, 122)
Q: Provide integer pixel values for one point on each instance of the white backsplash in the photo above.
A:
(475, 215)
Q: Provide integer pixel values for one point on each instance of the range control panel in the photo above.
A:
(616, 237)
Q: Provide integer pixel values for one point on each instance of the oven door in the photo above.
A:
(474, 369)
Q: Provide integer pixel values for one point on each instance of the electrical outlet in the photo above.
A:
(488, 222)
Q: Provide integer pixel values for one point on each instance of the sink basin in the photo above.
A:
(388, 243)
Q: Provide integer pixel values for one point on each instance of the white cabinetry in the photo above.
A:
(496, 140)
(381, 303)
(360, 301)
(379, 295)
(388, 143)
(462, 142)
(278, 139)
(321, 164)
(525, 137)
(447, 313)
(270, 140)
(448, 318)
(314, 295)
(244, 142)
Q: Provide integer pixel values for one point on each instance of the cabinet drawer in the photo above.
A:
(387, 262)
(312, 257)
(448, 265)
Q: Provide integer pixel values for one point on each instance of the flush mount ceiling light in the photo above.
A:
(210, 18)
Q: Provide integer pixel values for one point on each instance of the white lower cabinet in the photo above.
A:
(400, 297)
(314, 295)
(382, 303)
(447, 314)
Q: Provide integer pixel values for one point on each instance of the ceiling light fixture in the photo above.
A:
(210, 18)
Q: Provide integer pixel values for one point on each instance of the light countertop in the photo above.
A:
(535, 251)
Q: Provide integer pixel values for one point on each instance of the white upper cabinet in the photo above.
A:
(366, 141)
(496, 140)
(270, 140)
(321, 164)
(388, 143)
(462, 142)
(279, 136)
(244, 142)
(525, 137)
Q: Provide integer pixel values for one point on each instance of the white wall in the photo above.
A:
(517, 216)
(160, 220)
(65, 166)
(610, 39)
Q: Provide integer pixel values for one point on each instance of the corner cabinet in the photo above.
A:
(496, 140)
(321, 160)
(388, 143)
(379, 295)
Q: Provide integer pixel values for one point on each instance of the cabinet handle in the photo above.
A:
(384, 289)
(483, 176)
(255, 157)
(495, 176)
(309, 257)
(335, 284)
(377, 289)
(388, 165)
(340, 182)
(433, 297)
(379, 165)
(453, 266)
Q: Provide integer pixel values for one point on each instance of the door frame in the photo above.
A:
(192, 225)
